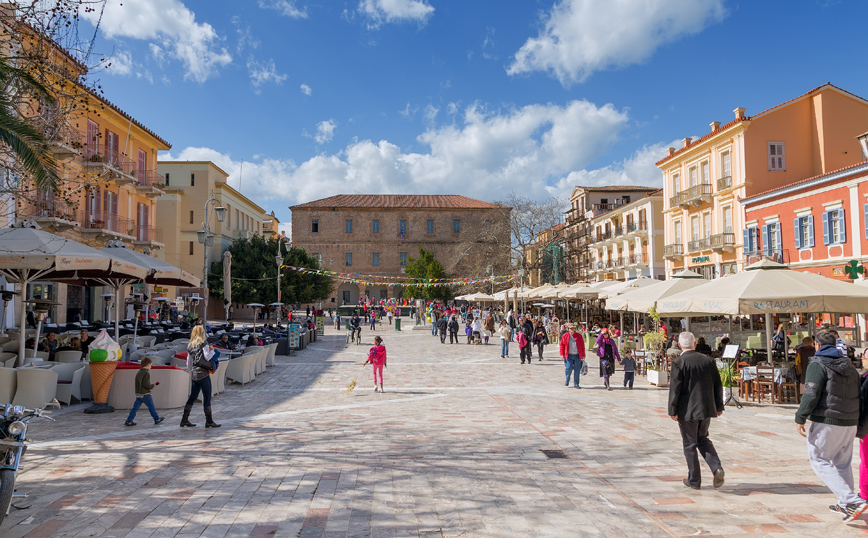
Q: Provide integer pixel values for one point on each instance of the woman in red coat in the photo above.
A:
(573, 352)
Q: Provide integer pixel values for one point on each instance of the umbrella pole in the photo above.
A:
(118, 302)
(621, 338)
(769, 338)
(22, 331)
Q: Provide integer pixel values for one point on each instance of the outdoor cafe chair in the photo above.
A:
(36, 387)
(764, 384)
(272, 350)
(4, 339)
(68, 381)
(8, 384)
(67, 356)
(745, 386)
(239, 370)
(6, 355)
(11, 345)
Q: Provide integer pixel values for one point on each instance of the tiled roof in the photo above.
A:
(135, 122)
(794, 185)
(703, 138)
(395, 201)
(618, 188)
(658, 192)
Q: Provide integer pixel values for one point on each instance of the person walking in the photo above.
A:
(453, 330)
(695, 397)
(377, 358)
(629, 368)
(434, 318)
(526, 328)
(540, 338)
(373, 320)
(607, 350)
(572, 348)
(441, 327)
(831, 403)
(489, 326)
(505, 333)
(143, 394)
(510, 319)
(200, 377)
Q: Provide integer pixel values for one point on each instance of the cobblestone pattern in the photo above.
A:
(452, 448)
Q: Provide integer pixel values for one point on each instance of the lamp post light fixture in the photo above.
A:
(6, 295)
(206, 238)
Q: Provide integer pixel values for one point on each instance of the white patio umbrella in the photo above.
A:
(28, 254)
(645, 298)
(227, 282)
(627, 285)
(767, 287)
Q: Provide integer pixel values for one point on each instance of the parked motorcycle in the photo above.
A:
(13, 445)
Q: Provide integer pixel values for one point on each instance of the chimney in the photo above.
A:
(739, 113)
(671, 151)
(687, 141)
(714, 125)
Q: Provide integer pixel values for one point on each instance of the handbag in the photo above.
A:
(203, 363)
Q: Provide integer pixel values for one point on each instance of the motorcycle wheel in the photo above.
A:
(7, 486)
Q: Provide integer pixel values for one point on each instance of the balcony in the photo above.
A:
(619, 231)
(109, 163)
(698, 245)
(724, 242)
(104, 225)
(602, 237)
(598, 209)
(673, 252)
(64, 143)
(150, 183)
(694, 196)
(149, 236)
(724, 183)
(779, 256)
(640, 227)
(51, 214)
(638, 259)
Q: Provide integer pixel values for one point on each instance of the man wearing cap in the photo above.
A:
(573, 352)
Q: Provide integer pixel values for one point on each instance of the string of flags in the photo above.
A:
(381, 280)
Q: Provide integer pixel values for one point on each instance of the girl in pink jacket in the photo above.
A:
(377, 357)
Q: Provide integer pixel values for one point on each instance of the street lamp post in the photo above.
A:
(207, 239)
(278, 259)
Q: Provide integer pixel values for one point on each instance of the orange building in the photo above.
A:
(705, 227)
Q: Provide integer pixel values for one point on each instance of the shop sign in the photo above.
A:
(700, 259)
(853, 269)
(838, 272)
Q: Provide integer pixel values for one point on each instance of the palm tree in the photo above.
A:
(23, 139)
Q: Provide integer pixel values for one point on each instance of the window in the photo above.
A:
(751, 240)
(694, 228)
(705, 178)
(348, 259)
(726, 164)
(834, 227)
(693, 176)
(430, 226)
(375, 259)
(777, 161)
(348, 224)
(191, 248)
(803, 229)
(604, 201)
(229, 217)
(191, 217)
(318, 258)
(167, 179)
(403, 256)
(706, 224)
(314, 226)
(677, 232)
(676, 184)
(402, 228)
(625, 200)
(456, 226)
(772, 238)
(375, 226)
(192, 180)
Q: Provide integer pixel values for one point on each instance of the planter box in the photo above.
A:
(658, 378)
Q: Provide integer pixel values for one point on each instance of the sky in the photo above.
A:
(302, 99)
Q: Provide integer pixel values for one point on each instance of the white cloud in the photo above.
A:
(431, 112)
(485, 155)
(379, 11)
(120, 63)
(325, 131)
(262, 73)
(584, 36)
(285, 7)
(172, 29)
(285, 228)
(305, 89)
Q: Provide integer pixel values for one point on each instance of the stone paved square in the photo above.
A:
(452, 448)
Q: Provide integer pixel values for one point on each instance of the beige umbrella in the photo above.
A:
(645, 298)
(627, 285)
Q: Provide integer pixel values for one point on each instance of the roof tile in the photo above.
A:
(394, 201)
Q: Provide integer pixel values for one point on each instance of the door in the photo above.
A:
(143, 165)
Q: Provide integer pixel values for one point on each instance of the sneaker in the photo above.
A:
(608, 388)
(718, 478)
(854, 510)
(835, 509)
(686, 483)
(129, 423)
(576, 387)
(160, 419)
(376, 389)
(567, 384)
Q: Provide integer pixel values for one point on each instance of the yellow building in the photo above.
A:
(189, 184)
(544, 259)
(703, 181)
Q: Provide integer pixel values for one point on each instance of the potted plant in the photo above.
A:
(657, 373)
(96, 158)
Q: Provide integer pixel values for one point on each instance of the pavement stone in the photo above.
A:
(453, 447)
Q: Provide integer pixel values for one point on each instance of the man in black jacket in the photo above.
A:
(695, 397)
(441, 326)
(831, 403)
(453, 330)
(526, 326)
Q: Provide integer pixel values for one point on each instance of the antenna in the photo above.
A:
(240, 175)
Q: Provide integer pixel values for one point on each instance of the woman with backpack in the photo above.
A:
(540, 337)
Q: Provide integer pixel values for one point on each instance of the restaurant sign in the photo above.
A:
(700, 259)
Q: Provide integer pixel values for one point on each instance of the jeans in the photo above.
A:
(830, 451)
(434, 328)
(453, 337)
(504, 347)
(628, 379)
(146, 399)
(511, 334)
(573, 364)
(694, 436)
(442, 337)
(204, 385)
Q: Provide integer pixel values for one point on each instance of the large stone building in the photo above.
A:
(587, 203)
(368, 234)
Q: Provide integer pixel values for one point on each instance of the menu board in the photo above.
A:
(320, 325)
(295, 336)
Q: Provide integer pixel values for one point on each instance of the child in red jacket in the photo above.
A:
(377, 357)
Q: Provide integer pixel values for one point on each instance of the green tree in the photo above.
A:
(254, 274)
(426, 267)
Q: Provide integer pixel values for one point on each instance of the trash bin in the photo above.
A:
(397, 324)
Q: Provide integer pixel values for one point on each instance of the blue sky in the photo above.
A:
(481, 97)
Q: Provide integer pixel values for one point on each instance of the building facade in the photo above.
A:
(703, 181)
(586, 203)
(544, 259)
(627, 242)
(377, 234)
(189, 184)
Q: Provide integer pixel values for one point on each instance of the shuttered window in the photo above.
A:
(777, 160)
